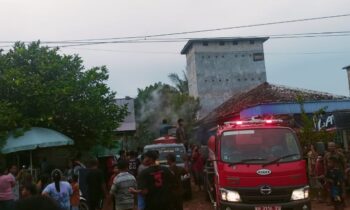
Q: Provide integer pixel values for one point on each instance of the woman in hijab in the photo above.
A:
(60, 191)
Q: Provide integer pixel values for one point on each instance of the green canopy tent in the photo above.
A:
(35, 138)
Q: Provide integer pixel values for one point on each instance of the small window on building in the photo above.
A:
(251, 42)
(202, 57)
(235, 42)
(253, 79)
(259, 78)
(219, 80)
(223, 56)
(221, 43)
(213, 80)
(258, 56)
(205, 43)
(205, 80)
(236, 56)
(226, 80)
(216, 56)
(238, 79)
(243, 55)
(208, 56)
(245, 79)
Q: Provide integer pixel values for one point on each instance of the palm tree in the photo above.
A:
(181, 84)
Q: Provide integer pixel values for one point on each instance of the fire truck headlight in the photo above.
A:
(231, 196)
(300, 194)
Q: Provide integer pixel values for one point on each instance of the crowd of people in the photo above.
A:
(329, 174)
(136, 182)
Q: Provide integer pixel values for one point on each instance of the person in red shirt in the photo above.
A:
(197, 167)
(75, 198)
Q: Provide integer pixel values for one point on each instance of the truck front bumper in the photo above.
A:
(292, 205)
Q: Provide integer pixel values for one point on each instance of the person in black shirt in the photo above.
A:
(155, 183)
(335, 179)
(177, 190)
(133, 163)
(95, 186)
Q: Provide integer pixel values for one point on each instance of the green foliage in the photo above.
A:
(162, 101)
(39, 87)
(308, 134)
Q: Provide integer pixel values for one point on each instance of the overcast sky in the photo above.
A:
(312, 63)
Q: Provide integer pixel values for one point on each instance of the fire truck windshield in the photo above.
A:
(259, 146)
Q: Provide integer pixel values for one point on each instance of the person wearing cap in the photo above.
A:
(123, 199)
(155, 183)
(59, 190)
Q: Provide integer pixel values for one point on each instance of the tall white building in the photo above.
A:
(219, 68)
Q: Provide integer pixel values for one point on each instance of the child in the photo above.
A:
(75, 198)
(335, 179)
(28, 190)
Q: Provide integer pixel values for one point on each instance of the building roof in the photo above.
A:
(129, 123)
(264, 94)
(347, 67)
(190, 42)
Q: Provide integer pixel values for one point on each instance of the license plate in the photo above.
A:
(268, 208)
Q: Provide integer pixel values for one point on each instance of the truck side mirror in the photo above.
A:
(212, 143)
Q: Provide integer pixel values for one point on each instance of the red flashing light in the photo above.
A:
(253, 122)
(268, 121)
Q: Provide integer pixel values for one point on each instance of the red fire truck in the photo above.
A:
(256, 165)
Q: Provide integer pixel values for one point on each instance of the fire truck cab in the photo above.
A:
(256, 165)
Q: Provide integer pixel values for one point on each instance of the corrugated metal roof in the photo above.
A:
(266, 94)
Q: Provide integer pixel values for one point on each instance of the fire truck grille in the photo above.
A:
(254, 196)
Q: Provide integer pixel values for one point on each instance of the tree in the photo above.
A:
(180, 84)
(163, 101)
(308, 134)
(39, 87)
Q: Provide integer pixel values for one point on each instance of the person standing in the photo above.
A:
(7, 182)
(133, 163)
(140, 198)
(197, 167)
(333, 152)
(14, 172)
(335, 178)
(60, 191)
(155, 183)
(164, 128)
(95, 185)
(123, 199)
(181, 134)
(177, 190)
(75, 198)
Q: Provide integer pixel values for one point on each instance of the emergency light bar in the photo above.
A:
(253, 122)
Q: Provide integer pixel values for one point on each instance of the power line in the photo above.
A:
(145, 37)
(220, 29)
(182, 40)
(175, 53)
